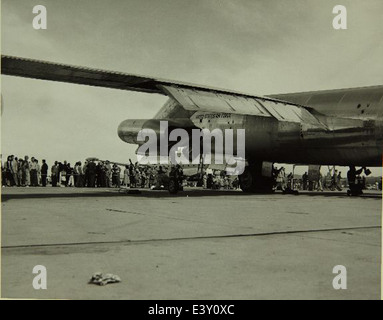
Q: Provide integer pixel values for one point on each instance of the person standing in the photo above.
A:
(10, 179)
(64, 174)
(59, 168)
(34, 178)
(142, 178)
(15, 170)
(80, 179)
(152, 177)
(227, 183)
(108, 171)
(85, 173)
(38, 172)
(80, 175)
(20, 174)
(103, 175)
(281, 177)
(319, 182)
(132, 177)
(26, 172)
(91, 174)
(126, 176)
(3, 175)
(69, 176)
(76, 174)
(98, 174)
(305, 180)
(15, 164)
(334, 178)
(116, 180)
(137, 177)
(290, 181)
(204, 180)
(44, 173)
(55, 174)
(338, 181)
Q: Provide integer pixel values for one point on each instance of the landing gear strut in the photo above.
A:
(174, 186)
(176, 177)
(253, 181)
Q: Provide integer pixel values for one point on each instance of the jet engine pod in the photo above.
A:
(128, 130)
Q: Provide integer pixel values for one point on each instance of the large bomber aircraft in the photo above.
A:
(336, 127)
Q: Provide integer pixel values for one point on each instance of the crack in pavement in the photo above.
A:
(127, 241)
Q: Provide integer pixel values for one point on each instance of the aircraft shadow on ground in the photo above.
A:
(162, 194)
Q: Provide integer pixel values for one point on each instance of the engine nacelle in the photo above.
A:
(128, 129)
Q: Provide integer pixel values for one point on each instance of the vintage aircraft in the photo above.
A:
(336, 127)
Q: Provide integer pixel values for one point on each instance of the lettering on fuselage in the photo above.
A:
(213, 116)
(223, 151)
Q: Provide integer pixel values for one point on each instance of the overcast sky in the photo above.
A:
(254, 46)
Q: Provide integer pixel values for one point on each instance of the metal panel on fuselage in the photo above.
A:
(360, 103)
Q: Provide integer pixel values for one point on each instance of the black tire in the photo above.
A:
(173, 186)
(246, 181)
(252, 181)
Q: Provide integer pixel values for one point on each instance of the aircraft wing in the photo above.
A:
(43, 70)
(189, 96)
(37, 69)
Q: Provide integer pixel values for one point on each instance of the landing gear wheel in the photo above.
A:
(173, 186)
(251, 180)
(246, 181)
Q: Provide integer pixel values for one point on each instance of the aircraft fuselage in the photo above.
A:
(340, 127)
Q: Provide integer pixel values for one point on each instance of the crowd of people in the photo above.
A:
(29, 172)
(25, 172)
(332, 181)
(219, 180)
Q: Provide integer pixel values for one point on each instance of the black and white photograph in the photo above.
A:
(191, 150)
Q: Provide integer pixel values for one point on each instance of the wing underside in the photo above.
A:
(37, 69)
(42, 70)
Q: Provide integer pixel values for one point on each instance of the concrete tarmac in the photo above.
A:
(199, 244)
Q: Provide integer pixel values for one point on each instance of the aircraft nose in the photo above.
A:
(128, 130)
